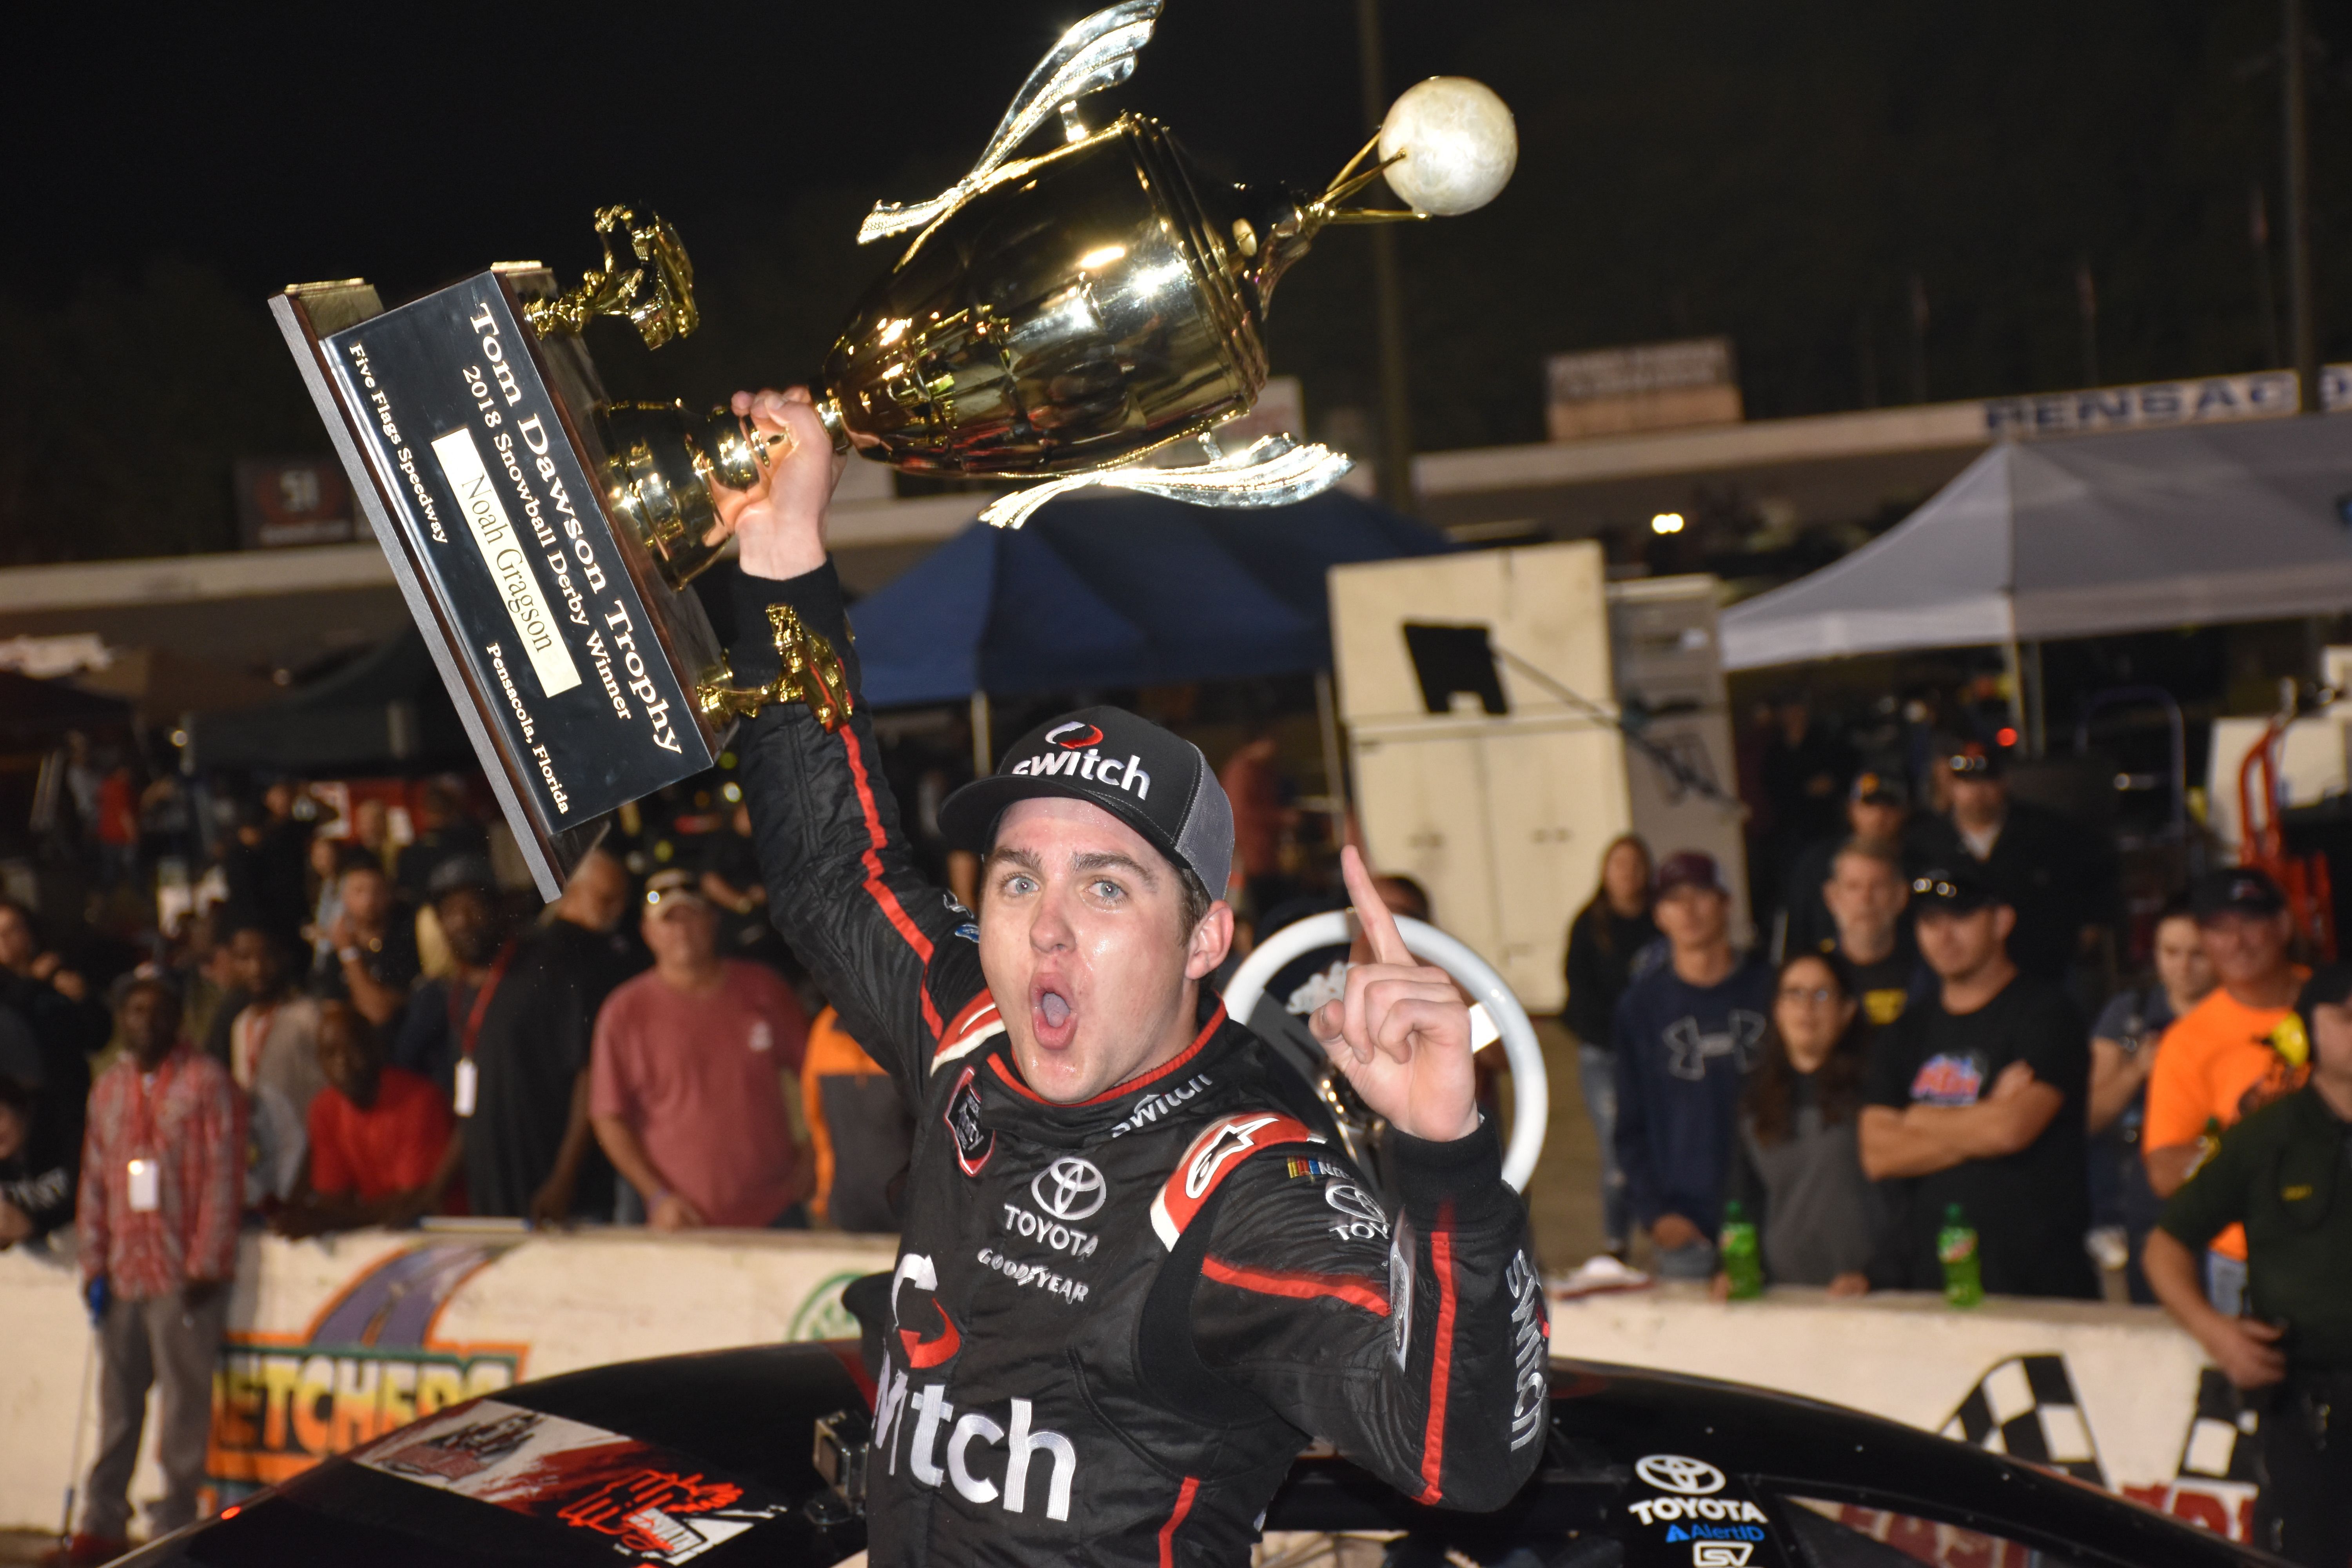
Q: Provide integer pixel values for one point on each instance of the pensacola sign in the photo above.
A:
(2257, 395)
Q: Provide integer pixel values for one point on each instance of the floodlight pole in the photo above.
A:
(2295, 61)
(1388, 288)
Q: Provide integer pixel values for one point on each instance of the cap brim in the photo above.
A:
(968, 818)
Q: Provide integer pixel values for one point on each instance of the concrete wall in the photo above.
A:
(334, 1342)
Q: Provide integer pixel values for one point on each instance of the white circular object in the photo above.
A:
(1459, 142)
(1530, 1098)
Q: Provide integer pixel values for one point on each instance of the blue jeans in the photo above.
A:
(1596, 1074)
(1695, 1262)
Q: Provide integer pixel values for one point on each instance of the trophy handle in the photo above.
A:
(656, 297)
(1274, 470)
(1097, 53)
(812, 673)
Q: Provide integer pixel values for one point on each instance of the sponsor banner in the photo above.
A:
(2115, 1396)
(336, 1343)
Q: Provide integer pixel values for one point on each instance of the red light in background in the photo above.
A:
(2005, 735)
(231, 1511)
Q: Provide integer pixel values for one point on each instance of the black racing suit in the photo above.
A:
(1116, 1323)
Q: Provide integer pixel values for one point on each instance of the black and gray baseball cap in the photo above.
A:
(2236, 890)
(1156, 782)
(1956, 889)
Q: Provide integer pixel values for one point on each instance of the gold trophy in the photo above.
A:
(1059, 317)
(1056, 317)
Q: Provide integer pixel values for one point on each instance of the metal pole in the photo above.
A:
(1335, 765)
(2037, 706)
(2301, 325)
(1388, 289)
(2015, 660)
(2086, 298)
(984, 746)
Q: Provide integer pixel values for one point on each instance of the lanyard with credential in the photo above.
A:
(142, 1168)
(467, 1080)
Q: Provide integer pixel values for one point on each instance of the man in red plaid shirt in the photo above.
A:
(162, 1183)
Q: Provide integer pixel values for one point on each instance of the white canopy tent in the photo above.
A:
(2083, 537)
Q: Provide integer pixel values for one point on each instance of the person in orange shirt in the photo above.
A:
(2218, 1061)
(858, 1128)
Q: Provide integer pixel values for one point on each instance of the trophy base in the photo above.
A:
(572, 658)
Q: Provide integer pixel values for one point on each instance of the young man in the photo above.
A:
(584, 933)
(1866, 893)
(383, 1146)
(1877, 811)
(274, 1058)
(1113, 1317)
(2059, 889)
(687, 1093)
(507, 1039)
(2284, 1176)
(1685, 1035)
(1974, 1097)
(371, 960)
(2218, 1062)
(162, 1175)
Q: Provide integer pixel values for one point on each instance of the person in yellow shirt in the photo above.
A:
(2218, 1061)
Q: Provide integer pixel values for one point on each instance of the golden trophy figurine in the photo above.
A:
(1059, 315)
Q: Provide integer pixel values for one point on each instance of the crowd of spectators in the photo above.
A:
(358, 1031)
(1916, 1058)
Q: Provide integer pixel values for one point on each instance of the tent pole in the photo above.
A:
(984, 745)
(1335, 767)
(2037, 705)
(2013, 661)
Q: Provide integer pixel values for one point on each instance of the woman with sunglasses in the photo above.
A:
(1797, 1168)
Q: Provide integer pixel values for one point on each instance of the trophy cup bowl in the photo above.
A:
(1058, 318)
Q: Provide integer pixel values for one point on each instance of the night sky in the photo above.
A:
(374, 140)
(1798, 177)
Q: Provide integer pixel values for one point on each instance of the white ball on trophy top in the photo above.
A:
(1460, 145)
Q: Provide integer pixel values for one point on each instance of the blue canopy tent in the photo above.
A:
(1126, 590)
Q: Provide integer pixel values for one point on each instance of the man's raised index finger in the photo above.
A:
(1371, 911)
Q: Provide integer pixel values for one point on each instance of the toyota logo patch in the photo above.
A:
(1069, 1189)
(1675, 1473)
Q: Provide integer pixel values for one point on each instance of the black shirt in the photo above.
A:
(531, 1046)
(1884, 989)
(2030, 1209)
(2286, 1174)
(2050, 871)
(1601, 945)
(389, 960)
(42, 1177)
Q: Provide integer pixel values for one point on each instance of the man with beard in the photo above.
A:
(1130, 1283)
(507, 1039)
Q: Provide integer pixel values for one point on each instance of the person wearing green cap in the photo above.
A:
(2286, 1174)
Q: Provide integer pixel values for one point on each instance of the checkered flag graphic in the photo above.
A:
(2026, 1407)
(2220, 1444)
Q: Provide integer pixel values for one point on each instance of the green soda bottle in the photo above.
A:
(1740, 1260)
(1955, 1247)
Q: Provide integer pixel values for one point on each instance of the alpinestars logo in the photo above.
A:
(1152, 1107)
(1234, 1138)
